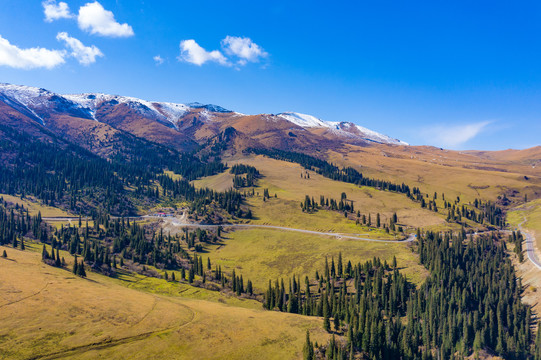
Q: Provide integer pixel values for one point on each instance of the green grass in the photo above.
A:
(263, 254)
(184, 290)
(260, 255)
(287, 213)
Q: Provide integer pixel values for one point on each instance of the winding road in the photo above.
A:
(273, 227)
(181, 222)
(175, 222)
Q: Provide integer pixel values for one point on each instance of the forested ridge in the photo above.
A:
(487, 213)
(67, 176)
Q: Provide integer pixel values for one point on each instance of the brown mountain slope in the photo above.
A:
(121, 116)
(15, 119)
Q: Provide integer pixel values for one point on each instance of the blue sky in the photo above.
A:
(461, 75)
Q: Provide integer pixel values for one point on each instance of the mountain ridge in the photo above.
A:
(39, 104)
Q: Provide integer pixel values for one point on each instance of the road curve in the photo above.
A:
(530, 249)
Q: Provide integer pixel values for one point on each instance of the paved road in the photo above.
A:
(530, 249)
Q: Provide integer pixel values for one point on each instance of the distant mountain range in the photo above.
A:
(98, 122)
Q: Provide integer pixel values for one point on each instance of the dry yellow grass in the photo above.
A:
(219, 182)
(443, 171)
(283, 178)
(50, 313)
(35, 206)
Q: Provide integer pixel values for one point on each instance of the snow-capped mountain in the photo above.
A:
(339, 128)
(34, 100)
(179, 125)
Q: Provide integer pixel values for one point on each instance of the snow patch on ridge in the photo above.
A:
(162, 111)
(29, 97)
(346, 129)
(303, 120)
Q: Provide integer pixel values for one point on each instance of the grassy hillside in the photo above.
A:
(50, 313)
(262, 255)
(443, 171)
(284, 179)
(35, 206)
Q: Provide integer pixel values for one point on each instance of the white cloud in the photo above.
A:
(32, 58)
(158, 59)
(191, 52)
(244, 48)
(86, 55)
(453, 136)
(96, 20)
(54, 11)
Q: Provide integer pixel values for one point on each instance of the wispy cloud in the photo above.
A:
(96, 20)
(31, 58)
(192, 52)
(158, 60)
(86, 55)
(453, 136)
(54, 11)
(243, 48)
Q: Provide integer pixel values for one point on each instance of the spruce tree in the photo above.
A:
(57, 262)
(81, 269)
(308, 350)
(44, 253)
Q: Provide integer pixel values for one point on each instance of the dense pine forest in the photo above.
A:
(67, 176)
(16, 224)
(470, 302)
(120, 244)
